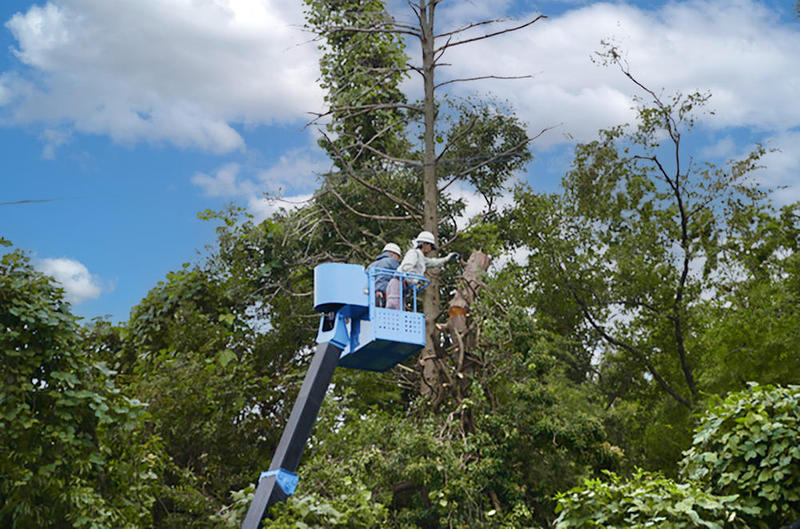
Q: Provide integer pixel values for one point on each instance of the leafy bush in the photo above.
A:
(646, 500)
(749, 444)
(354, 509)
(71, 447)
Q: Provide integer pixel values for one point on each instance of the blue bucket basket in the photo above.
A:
(372, 338)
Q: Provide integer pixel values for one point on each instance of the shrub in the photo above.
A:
(645, 500)
(749, 444)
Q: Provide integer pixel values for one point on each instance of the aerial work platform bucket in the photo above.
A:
(372, 338)
(353, 332)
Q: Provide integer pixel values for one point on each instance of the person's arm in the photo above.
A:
(439, 261)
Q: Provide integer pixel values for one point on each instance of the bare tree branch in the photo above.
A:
(388, 27)
(342, 238)
(366, 108)
(483, 77)
(404, 161)
(507, 152)
(352, 174)
(366, 215)
(470, 26)
(489, 35)
(463, 132)
(623, 345)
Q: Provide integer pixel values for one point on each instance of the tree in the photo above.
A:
(371, 123)
(215, 390)
(72, 452)
(752, 332)
(627, 258)
(531, 433)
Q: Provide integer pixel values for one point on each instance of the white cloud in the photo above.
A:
(190, 71)
(287, 183)
(79, 285)
(52, 140)
(737, 49)
(5, 91)
(782, 167)
(296, 169)
(724, 148)
(262, 208)
(180, 71)
(475, 202)
(224, 183)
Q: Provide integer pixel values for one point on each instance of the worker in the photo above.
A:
(416, 261)
(388, 259)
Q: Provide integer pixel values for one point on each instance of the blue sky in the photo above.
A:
(130, 116)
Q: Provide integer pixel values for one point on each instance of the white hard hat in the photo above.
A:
(392, 247)
(426, 236)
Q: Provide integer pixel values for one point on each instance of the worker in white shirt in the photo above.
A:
(416, 261)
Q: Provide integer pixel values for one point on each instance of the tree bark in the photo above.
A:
(458, 308)
(431, 378)
(462, 338)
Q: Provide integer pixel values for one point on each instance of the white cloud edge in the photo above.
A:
(74, 277)
(288, 183)
(161, 70)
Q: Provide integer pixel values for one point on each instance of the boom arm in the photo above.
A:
(278, 482)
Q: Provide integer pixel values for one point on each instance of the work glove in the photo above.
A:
(453, 256)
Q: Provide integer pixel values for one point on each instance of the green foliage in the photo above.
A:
(417, 475)
(485, 146)
(197, 363)
(626, 262)
(742, 470)
(360, 70)
(752, 330)
(492, 459)
(72, 452)
(650, 282)
(354, 508)
(644, 500)
(749, 444)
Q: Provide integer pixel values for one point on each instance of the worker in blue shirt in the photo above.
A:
(389, 259)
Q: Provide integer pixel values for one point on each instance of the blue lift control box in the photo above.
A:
(371, 337)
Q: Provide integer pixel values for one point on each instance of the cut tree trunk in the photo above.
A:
(459, 305)
(436, 369)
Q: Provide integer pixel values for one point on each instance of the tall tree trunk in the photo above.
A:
(430, 373)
